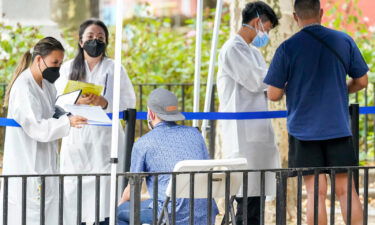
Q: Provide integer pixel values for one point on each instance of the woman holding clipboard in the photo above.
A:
(32, 148)
(87, 150)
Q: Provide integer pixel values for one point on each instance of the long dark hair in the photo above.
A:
(78, 71)
(43, 48)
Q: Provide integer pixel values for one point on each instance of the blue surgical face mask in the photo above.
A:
(262, 38)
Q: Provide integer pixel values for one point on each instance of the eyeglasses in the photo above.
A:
(92, 36)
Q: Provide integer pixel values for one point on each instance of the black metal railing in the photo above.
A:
(135, 182)
(283, 175)
(280, 210)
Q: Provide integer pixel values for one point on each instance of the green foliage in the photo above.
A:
(156, 52)
(14, 42)
(351, 21)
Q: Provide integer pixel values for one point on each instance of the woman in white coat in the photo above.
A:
(32, 148)
(88, 150)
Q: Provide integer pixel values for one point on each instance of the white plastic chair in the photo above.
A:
(201, 180)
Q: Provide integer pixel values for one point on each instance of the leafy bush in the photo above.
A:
(14, 42)
(156, 52)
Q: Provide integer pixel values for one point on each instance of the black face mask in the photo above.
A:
(94, 48)
(51, 74)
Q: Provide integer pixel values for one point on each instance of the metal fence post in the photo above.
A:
(212, 126)
(354, 122)
(24, 198)
(5, 201)
(130, 118)
(281, 197)
(135, 182)
(140, 108)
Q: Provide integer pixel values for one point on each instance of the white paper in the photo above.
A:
(67, 99)
(95, 115)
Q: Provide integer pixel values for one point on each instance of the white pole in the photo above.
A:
(115, 111)
(211, 68)
(198, 58)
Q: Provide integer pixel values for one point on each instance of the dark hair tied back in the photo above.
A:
(43, 48)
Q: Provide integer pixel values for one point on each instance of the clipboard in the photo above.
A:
(87, 88)
(70, 98)
(95, 115)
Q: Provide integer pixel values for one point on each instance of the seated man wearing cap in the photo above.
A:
(158, 151)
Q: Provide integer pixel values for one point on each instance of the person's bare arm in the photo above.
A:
(357, 84)
(125, 195)
(274, 93)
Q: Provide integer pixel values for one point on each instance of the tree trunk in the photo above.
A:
(69, 14)
(236, 7)
(210, 3)
(94, 8)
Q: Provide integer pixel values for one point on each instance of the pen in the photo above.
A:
(105, 84)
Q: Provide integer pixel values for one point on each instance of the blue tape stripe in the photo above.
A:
(226, 116)
(5, 122)
(367, 110)
(120, 115)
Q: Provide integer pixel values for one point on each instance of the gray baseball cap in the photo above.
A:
(164, 103)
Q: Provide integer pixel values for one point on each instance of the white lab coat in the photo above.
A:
(241, 89)
(33, 148)
(88, 150)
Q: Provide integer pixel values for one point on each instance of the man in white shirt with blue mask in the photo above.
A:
(241, 89)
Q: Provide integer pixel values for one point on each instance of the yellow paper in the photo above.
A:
(86, 88)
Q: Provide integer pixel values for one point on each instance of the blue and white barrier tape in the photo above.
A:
(226, 116)
(5, 122)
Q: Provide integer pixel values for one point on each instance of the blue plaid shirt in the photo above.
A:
(158, 151)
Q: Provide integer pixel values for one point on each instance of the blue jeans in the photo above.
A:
(123, 215)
